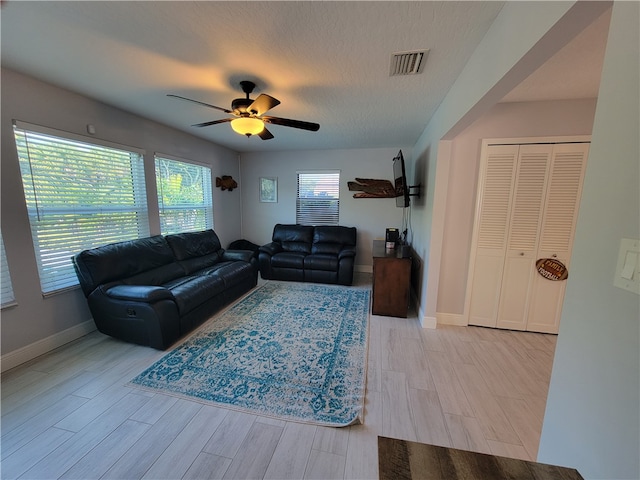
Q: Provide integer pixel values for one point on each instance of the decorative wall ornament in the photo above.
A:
(552, 269)
(268, 189)
(372, 188)
(226, 183)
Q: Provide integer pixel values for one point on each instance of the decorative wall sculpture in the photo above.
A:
(226, 183)
(372, 188)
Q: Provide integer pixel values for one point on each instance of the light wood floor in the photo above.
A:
(69, 414)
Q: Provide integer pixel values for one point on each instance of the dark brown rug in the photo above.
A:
(404, 460)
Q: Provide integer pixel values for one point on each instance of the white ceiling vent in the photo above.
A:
(408, 63)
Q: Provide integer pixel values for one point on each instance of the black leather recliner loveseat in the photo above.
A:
(152, 291)
(322, 254)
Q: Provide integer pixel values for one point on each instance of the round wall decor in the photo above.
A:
(552, 269)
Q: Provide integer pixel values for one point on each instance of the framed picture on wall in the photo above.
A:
(269, 189)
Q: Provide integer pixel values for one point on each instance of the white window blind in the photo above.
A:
(79, 195)
(185, 200)
(6, 289)
(318, 201)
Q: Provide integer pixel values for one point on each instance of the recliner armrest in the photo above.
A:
(347, 252)
(139, 293)
(271, 248)
(237, 255)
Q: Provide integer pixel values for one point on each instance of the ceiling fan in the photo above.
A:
(248, 115)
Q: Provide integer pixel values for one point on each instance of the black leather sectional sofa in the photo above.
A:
(322, 254)
(154, 290)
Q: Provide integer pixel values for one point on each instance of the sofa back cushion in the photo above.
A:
(121, 260)
(196, 250)
(294, 238)
(331, 239)
(156, 276)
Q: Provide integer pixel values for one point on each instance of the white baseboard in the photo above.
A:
(451, 319)
(425, 321)
(363, 268)
(29, 352)
(428, 322)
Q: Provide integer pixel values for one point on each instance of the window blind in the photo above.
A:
(185, 200)
(6, 289)
(79, 195)
(318, 199)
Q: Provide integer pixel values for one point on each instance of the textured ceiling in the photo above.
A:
(327, 62)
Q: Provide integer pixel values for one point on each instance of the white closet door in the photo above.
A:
(557, 231)
(492, 221)
(522, 241)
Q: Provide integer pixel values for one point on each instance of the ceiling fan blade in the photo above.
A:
(225, 110)
(265, 134)
(214, 122)
(263, 103)
(285, 122)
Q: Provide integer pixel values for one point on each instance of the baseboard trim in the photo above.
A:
(363, 268)
(29, 352)
(451, 319)
(425, 321)
(428, 322)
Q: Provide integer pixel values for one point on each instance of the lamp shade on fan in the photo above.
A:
(247, 126)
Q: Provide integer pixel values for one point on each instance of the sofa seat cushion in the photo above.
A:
(197, 264)
(327, 248)
(288, 260)
(324, 262)
(190, 292)
(232, 273)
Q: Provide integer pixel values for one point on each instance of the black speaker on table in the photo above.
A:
(392, 236)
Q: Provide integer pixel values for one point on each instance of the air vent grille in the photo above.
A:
(408, 63)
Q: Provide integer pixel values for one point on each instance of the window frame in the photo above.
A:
(207, 184)
(7, 296)
(55, 269)
(310, 214)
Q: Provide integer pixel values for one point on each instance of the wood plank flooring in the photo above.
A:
(405, 460)
(69, 415)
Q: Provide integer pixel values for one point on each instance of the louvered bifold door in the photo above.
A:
(522, 239)
(557, 231)
(493, 211)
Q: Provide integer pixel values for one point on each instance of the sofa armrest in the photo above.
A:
(139, 293)
(347, 252)
(237, 255)
(271, 248)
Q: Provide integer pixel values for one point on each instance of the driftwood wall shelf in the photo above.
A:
(372, 188)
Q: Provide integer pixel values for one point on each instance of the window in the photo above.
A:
(184, 196)
(6, 290)
(79, 195)
(318, 201)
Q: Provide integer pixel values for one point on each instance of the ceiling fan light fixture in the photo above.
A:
(247, 126)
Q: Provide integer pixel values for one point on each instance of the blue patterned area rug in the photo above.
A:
(294, 351)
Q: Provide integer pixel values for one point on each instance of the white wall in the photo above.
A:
(371, 216)
(523, 37)
(505, 120)
(38, 324)
(592, 419)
